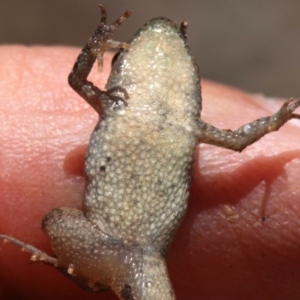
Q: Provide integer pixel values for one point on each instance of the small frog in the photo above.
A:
(139, 161)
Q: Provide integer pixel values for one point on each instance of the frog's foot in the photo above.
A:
(249, 133)
(101, 40)
(36, 254)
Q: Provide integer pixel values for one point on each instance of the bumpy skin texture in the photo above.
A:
(138, 169)
(143, 203)
(136, 207)
(139, 161)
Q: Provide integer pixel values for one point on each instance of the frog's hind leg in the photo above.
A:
(36, 254)
(84, 252)
(77, 244)
(100, 260)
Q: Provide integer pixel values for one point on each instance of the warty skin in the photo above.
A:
(139, 162)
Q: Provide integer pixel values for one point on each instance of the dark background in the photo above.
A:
(253, 45)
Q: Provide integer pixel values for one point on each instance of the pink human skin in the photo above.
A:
(240, 237)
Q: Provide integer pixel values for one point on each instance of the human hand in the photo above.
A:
(240, 236)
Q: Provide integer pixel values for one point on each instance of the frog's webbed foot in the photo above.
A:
(36, 254)
(97, 44)
(249, 133)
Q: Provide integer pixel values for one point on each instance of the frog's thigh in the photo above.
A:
(84, 253)
(65, 222)
(70, 232)
(77, 242)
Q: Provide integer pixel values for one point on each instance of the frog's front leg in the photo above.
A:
(97, 44)
(249, 133)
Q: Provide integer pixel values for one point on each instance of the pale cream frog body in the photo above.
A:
(139, 162)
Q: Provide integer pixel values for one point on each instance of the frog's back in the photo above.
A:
(140, 156)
